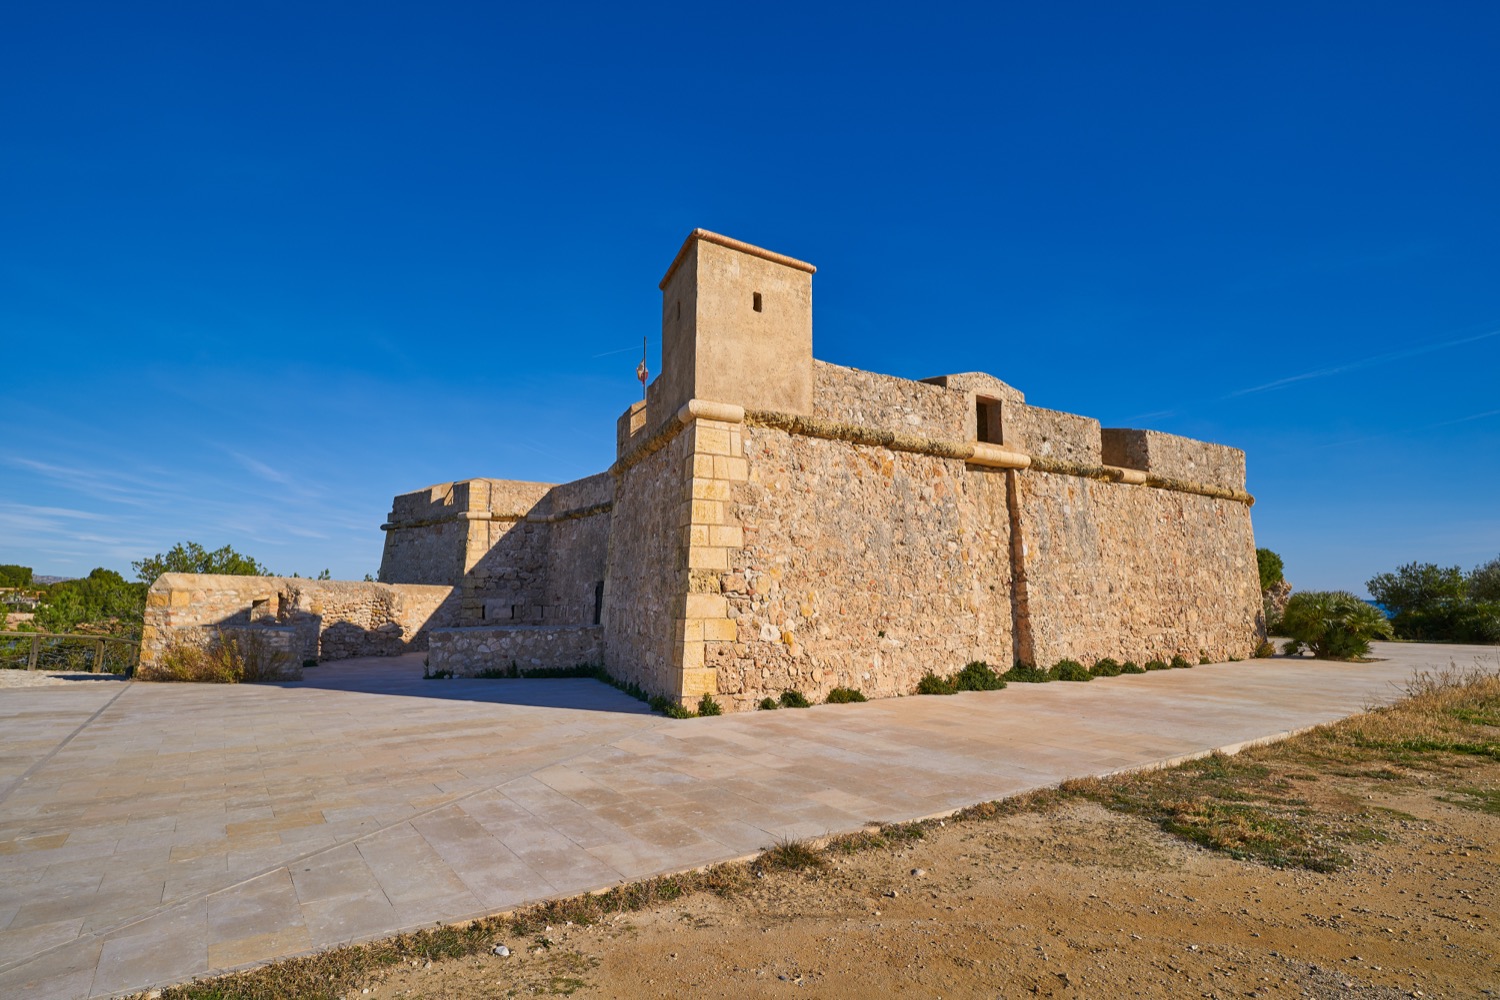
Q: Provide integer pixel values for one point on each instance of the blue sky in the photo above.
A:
(264, 266)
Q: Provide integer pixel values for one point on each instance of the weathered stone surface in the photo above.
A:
(467, 651)
(1169, 456)
(331, 619)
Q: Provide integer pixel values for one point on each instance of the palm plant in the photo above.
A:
(1332, 624)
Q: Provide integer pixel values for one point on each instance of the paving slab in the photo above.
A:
(150, 833)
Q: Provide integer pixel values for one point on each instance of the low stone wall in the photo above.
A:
(466, 651)
(329, 619)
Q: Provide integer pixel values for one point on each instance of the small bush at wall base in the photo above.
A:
(227, 658)
(931, 683)
(768, 705)
(1203, 657)
(707, 706)
(1025, 673)
(1180, 663)
(1070, 670)
(794, 699)
(1156, 665)
(843, 695)
(977, 676)
(1131, 667)
(309, 663)
(1265, 649)
(1107, 668)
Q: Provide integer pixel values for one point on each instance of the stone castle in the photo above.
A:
(775, 522)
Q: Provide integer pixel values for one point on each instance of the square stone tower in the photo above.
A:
(736, 327)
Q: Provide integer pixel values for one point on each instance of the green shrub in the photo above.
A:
(707, 706)
(794, 699)
(1451, 621)
(676, 711)
(977, 676)
(1131, 667)
(768, 705)
(931, 683)
(1265, 649)
(1070, 670)
(1025, 673)
(1107, 667)
(1271, 568)
(1180, 663)
(1156, 665)
(1333, 624)
(843, 695)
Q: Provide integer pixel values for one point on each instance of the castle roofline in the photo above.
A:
(733, 244)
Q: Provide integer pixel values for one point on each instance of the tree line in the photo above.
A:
(1433, 603)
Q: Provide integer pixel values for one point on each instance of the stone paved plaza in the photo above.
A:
(152, 833)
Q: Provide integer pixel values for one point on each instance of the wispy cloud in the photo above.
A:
(1369, 362)
(1464, 420)
(259, 468)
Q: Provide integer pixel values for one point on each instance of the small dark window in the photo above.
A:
(987, 421)
(515, 612)
(756, 302)
(598, 602)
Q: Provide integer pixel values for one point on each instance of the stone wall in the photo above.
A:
(647, 578)
(1168, 456)
(862, 567)
(1134, 572)
(884, 402)
(330, 619)
(467, 651)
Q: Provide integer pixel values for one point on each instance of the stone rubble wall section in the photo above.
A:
(885, 402)
(647, 576)
(577, 549)
(431, 536)
(980, 384)
(861, 567)
(506, 582)
(1043, 433)
(1169, 456)
(467, 651)
(1135, 573)
(331, 619)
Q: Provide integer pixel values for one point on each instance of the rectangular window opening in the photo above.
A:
(987, 420)
(755, 302)
(598, 602)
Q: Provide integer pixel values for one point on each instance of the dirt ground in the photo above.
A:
(1072, 901)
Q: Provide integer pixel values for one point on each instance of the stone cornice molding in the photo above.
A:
(733, 244)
